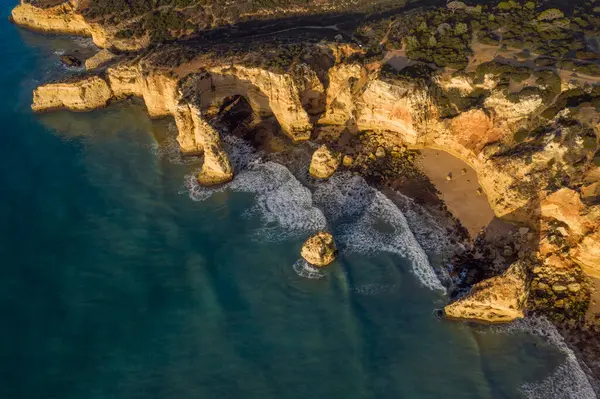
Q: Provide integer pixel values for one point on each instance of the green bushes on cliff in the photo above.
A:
(503, 71)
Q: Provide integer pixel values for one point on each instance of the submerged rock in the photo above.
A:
(70, 61)
(499, 299)
(324, 163)
(319, 249)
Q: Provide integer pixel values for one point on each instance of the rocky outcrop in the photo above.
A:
(319, 249)
(497, 300)
(565, 206)
(100, 59)
(70, 61)
(587, 254)
(84, 95)
(351, 97)
(324, 163)
(59, 19)
(216, 168)
(65, 18)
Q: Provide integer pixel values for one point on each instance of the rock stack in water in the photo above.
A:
(324, 163)
(319, 250)
(70, 61)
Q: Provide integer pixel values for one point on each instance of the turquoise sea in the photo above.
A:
(119, 278)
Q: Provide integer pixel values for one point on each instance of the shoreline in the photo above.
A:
(458, 197)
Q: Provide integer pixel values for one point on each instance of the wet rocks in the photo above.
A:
(324, 163)
(71, 61)
(319, 249)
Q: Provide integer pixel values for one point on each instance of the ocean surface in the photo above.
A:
(121, 278)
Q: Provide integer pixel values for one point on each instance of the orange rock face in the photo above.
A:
(565, 206)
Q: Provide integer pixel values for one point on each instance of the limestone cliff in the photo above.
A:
(66, 18)
(99, 60)
(496, 300)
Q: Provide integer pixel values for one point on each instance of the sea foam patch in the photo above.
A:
(306, 270)
(366, 222)
(282, 203)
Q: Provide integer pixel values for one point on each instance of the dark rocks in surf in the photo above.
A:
(71, 61)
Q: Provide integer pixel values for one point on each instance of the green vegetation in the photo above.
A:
(443, 36)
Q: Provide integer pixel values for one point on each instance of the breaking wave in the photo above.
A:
(568, 381)
(362, 219)
(282, 203)
(306, 270)
(366, 222)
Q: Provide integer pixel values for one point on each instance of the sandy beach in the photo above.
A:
(458, 185)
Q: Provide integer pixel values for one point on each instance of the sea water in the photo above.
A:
(120, 277)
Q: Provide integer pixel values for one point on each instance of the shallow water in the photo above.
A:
(119, 278)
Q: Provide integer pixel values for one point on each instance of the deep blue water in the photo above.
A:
(115, 282)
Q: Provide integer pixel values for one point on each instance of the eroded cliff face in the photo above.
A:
(188, 94)
(499, 299)
(83, 95)
(65, 18)
(59, 19)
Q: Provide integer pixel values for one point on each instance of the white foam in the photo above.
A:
(568, 381)
(369, 222)
(282, 203)
(306, 270)
(365, 220)
(433, 237)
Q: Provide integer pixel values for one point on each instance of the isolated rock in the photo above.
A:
(496, 300)
(324, 163)
(319, 250)
(70, 61)
(348, 161)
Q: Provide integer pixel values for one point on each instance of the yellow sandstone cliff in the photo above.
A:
(64, 18)
(83, 95)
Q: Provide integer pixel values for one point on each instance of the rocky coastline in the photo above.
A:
(373, 120)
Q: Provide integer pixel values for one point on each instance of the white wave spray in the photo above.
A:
(364, 220)
(367, 222)
(283, 204)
